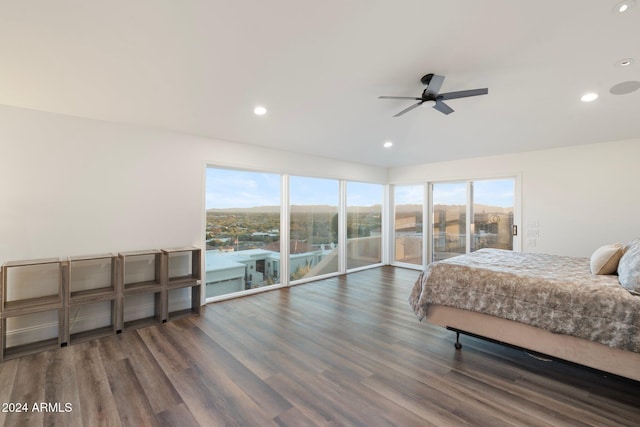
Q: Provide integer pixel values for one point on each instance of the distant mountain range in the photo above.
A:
(493, 209)
(364, 209)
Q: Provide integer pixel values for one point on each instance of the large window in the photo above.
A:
(245, 228)
(313, 231)
(242, 231)
(329, 226)
(408, 201)
(364, 224)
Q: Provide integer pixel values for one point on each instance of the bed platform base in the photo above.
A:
(534, 354)
(535, 341)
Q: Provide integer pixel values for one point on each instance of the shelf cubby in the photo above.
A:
(33, 340)
(93, 277)
(193, 305)
(140, 271)
(182, 266)
(91, 320)
(148, 316)
(29, 286)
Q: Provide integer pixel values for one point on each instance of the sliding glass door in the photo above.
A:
(449, 213)
(471, 215)
(492, 209)
(408, 204)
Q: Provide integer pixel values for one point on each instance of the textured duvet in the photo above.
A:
(551, 292)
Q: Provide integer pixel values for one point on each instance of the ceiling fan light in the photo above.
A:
(588, 97)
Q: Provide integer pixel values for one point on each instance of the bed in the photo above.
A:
(548, 304)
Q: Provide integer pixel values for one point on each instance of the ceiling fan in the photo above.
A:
(431, 93)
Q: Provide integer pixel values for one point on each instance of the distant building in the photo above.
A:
(228, 271)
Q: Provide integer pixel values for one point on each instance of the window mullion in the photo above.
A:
(342, 228)
(469, 220)
(285, 214)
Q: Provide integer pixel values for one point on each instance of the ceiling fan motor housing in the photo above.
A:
(426, 79)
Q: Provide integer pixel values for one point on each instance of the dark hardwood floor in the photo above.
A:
(341, 351)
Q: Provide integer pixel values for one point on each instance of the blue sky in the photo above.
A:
(228, 188)
(494, 192)
(239, 189)
(409, 195)
(313, 191)
(363, 194)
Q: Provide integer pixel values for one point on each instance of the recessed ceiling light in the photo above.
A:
(260, 111)
(588, 97)
(388, 144)
(625, 6)
(625, 62)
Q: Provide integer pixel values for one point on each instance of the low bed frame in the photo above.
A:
(577, 350)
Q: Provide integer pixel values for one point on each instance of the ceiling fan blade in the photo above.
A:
(463, 93)
(406, 110)
(399, 97)
(442, 107)
(434, 85)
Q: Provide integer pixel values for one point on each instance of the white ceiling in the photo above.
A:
(200, 67)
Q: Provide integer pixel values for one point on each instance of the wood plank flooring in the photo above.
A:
(344, 351)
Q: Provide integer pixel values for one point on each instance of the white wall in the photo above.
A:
(581, 197)
(71, 186)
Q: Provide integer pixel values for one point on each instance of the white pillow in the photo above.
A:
(629, 268)
(605, 259)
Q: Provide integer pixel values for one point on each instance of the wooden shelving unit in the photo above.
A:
(182, 270)
(85, 297)
(138, 280)
(31, 289)
(92, 286)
